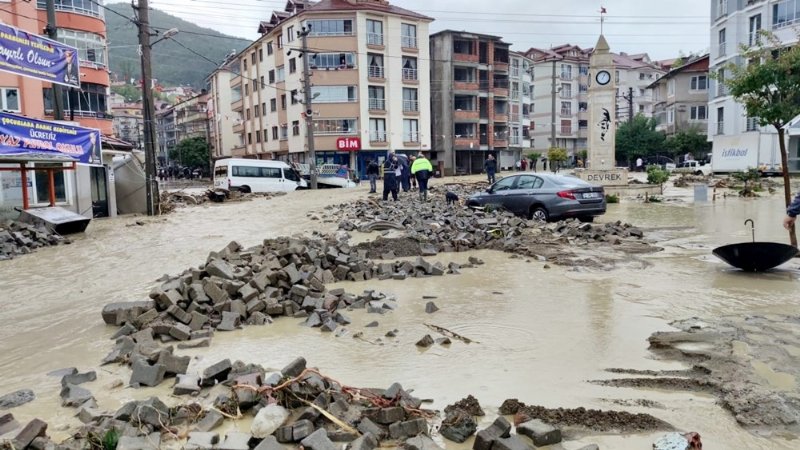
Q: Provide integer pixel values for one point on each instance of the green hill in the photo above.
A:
(172, 64)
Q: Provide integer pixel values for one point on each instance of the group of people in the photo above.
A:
(401, 172)
(526, 164)
(172, 172)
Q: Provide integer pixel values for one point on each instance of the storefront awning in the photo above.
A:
(112, 143)
(36, 157)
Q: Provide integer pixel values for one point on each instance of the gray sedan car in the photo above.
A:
(544, 196)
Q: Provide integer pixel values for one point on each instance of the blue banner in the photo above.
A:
(21, 135)
(31, 55)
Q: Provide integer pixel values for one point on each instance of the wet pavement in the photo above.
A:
(542, 333)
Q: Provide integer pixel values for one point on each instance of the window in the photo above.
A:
(284, 132)
(266, 134)
(671, 87)
(253, 58)
(258, 137)
(256, 111)
(377, 98)
(292, 65)
(583, 88)
(88, 7)
(410, 130)
(264, 109)
(236, 94)
(331, 27)
(566, 72)
(295, 128)
(247, 89)
(274, 133)
(722, 46)
(377, 130)
(720, 120)
(283, 101)
(9, 99)
(566, 108)
(244, 65)
(335, 94)
(333, 60)
(374, 32)
(280, 41)
(722, 90)
(247, 113)
(290, 34)
(271, 74)
(375, 62)
(89, 101)
(464, 130)
(566, 90)
(616, 76)
(566, 127)
(529, 182)
(785, 13)
(261, 55)
(409, 68)
(255, 85)
(335, 126)
(293, 95)
(263, 84)
(463, 75)
(410, 100)
(280, 75)
(583, 124)
(41, 179)
(256, 172)
(584, 69)
(698, 113)
(699, 83)
(504, 184)
(525, 110)
(269, 48)
(722, 8)
(641, 76)
(582, 107)
(273, 105)
(751, 124)
(91, 47)
(249, 138)
(755, 27)
(408, 35)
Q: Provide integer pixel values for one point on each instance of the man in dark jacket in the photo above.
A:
(490, 166)
(372, 173)
(391, 175)
(791, 213)
(404, 179)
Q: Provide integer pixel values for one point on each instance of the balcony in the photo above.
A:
(720, 128)
(468, 142)
(500, 117)
(722, 90)
(375, 39)
(410, 75)
(470, 115)
(465, 57)
(411, 137)
(500, 143)
(411, 106)
(515, 71)
(515, 140)
(377, 136)
(723, 49)
(408, 42)
(500, 92)
(377, 104)
(465, 85)
(376, 72)
(500, 66)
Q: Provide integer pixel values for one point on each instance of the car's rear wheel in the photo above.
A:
(244, 189)
(699, 173)
(538, 213)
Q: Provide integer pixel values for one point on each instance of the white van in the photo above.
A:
(256, 175)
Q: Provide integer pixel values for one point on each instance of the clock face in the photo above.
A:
(603, 77)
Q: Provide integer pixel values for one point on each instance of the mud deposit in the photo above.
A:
(749, 364)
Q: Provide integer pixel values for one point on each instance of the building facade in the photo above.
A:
(371, 76)
(470, 96)
(184, 120)
(519, 120)
(634, 73)
(222, 117)
(128, 123)
(735, 23)
(681, 97)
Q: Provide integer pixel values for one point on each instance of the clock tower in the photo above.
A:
(601, 162)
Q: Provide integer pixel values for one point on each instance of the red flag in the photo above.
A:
(603, 10)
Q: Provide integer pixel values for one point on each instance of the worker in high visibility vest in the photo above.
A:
(422, 171)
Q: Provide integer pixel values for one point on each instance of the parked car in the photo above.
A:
(694, 167)
(544, 197)
(663, 162)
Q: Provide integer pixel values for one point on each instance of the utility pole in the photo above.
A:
(312, 167)
(553, 109)
(148, 109)
(208, 143)
(629, 98)
(52, 33)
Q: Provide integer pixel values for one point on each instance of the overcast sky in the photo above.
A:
(662, 29)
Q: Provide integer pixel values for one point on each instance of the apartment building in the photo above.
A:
(128, 123)
(733, 23)
(681, 97)
(221, 116)
(561, 112)
(519, 119)
(634, 73)
(184, 120)
(371, 76)
(470, 97)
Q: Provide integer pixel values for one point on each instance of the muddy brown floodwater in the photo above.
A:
(543, 333)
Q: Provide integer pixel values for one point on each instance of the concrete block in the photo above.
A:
(17, 398)
(318, 440)
(420, 442)
(212, 419)
(147, 375)
(7, 423)
(74, 396)
(390, 415)
(294, 368)
(180, 332)
(540, 432)
(149, 442)
(219, 268)
(200, 440)
(512, 443)
(186, 385)
(216, 373)
(269, 443)
(367, 441)
(235, 441)
(110, 312)
(35, 428)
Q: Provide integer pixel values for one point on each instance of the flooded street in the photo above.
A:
(541, 333)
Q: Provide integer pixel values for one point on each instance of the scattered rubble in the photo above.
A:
(19, 238)
(17, 398)
(171, 200)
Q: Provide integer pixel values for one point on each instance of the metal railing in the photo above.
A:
(723, 48)
(375, 71)
(721, 127)
(566, 75)
(377, 104)
(411, 137)
(377, 136)
(408, 41)
(374, 38)
(410, 74)
(410, 105)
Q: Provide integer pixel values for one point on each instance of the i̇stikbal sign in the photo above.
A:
(34, 56)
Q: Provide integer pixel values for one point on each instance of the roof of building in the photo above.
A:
(698, 64)
(470, 33)
(638, 61)
(371, 5)
(112, 143)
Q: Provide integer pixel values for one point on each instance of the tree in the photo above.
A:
(769, 88)
(556, 156)
(191, 152)
(690, 141)
(656, 175)
(534, 156)
(638, 138)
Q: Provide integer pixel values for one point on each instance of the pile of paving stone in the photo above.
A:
(612, 232)
(294, 406)
(19, 238)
